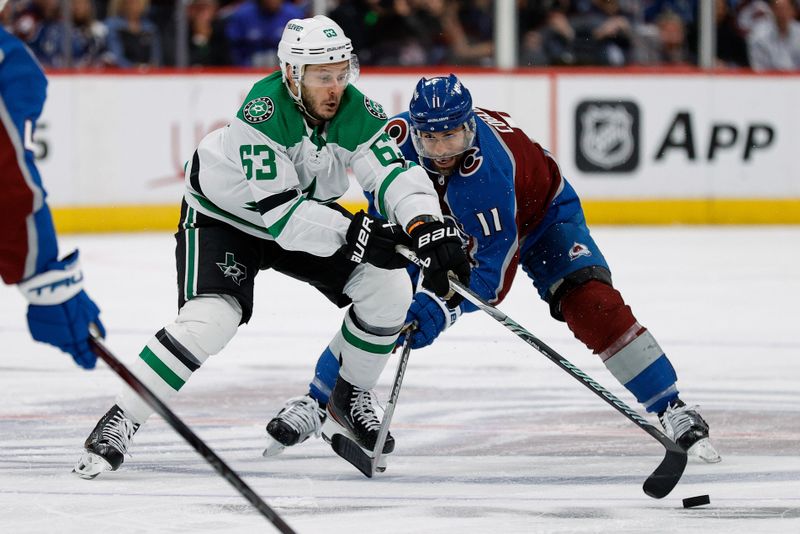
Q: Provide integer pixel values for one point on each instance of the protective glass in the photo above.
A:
(328, 76)
(446, 144)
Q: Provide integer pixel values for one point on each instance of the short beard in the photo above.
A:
(309, 109)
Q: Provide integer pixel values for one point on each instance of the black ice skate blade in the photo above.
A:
(352, 453)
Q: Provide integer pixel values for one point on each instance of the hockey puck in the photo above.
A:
(699, 500)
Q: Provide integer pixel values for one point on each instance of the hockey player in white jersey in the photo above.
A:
(260, 194)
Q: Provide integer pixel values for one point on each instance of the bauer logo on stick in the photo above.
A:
(258, 110)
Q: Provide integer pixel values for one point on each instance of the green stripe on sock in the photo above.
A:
(161, 369)
(365, 345)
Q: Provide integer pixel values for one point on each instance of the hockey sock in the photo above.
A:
(203, 327)
(364, 350)
(324, 377)
(596, 313)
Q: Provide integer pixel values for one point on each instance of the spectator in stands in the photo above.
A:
(547, 35)
(359, 20)
(469, 45)
(751, 12)
(207, 42)
(254, 29)
(603, 33)
(133, 37)
(470, 28)
(652, 10)
(774, 42)
(672, 46)
(731, 44)
(88, 40)
(412, 33)
(28, 18)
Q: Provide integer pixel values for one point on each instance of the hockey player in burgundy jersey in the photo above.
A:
(59, 311)
(515, 208)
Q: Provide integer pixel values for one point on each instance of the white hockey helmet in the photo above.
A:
(314, 41)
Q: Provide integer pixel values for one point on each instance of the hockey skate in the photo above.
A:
(300, 418)
(106, 446)
(685, 427)
(352, 412)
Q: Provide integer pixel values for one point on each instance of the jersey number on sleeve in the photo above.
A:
(258, 158)
(485, 224)
(385, 150)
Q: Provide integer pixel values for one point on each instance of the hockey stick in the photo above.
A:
(350, 450)
(668, 473)
(99, 348)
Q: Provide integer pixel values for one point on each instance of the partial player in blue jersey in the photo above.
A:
(59, 311)
(515, 208)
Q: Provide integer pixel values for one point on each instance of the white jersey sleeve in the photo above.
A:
(402, 189)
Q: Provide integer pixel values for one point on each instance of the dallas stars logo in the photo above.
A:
(258, 110)
(233, 269)
(375, 109)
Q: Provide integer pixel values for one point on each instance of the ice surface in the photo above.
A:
(491, 436)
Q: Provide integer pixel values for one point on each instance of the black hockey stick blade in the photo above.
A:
(352, 453)
(225, 471)
(349, 449)
(668, 473)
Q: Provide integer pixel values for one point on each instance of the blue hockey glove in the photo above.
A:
(432, 316)
(60, 311)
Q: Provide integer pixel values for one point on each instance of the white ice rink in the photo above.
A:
(491, 436)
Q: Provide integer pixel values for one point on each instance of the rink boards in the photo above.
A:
(639, 146)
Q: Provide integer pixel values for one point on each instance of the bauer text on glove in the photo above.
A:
(438, 245)
(372, 240)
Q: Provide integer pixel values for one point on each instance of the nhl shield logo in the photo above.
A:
(258, 110)
(607, 136)
(375, 109)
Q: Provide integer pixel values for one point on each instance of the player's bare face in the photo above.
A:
(323, 87)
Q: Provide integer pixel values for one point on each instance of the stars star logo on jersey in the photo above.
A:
(258, 110)
(375, 109)
(233, 269)
(577, 250)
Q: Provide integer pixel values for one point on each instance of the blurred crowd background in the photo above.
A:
(142, 34)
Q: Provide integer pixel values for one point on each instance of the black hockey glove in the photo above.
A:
(371, 240)
(438, 245)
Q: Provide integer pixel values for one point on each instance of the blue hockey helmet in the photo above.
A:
(441, 116)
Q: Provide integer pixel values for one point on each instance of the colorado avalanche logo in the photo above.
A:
(472, 162)
(577, 250)
(375, 109)
(258, 110)
(607, 139)
(397, 129)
